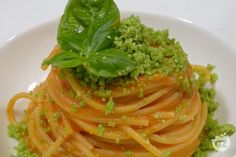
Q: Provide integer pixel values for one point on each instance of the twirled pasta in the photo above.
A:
(164, 120)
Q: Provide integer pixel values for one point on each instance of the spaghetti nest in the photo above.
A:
(151, 117)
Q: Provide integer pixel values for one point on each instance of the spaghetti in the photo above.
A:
(117, 88)
(164, 121)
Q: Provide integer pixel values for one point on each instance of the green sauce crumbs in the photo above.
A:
(152, 51)
(212, 128)
(101, 51)
(18, 132)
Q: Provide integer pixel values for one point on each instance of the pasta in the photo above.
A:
(163, 120)
(116, 89)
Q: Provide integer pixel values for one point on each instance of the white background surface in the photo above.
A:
(217, 16)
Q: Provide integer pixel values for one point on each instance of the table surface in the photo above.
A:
(217, 16)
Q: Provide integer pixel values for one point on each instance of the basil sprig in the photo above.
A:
(85, 35)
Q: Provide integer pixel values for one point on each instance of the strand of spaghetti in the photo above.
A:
(84, 150)
(32, 133)
(83, 140)
(173, 99)
(110, 153)
(99, 142)
(38, 142)
(53, 147)
(77, 133)
(41, 132)
(108, 142)
(164, 114)
(129, 108)
(147, 86)
(186, 135)
(64, 121)
(69, 131)
(60, 100)
(12, 102)
(174, 138)
(177, 130)
(201, 118)
(159, 126)
(202, 70)
(186, 151)
(44, 137)
(129, 120)
(93, 130)
(63, 134)
(191, 152)
(119, 109)
(56, 130)
(192, 110)
(132, 133)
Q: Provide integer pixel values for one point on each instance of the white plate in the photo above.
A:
(21, 58)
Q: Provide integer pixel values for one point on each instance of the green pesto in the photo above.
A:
(213, 78)
(117, 140)
(43, 112)
(39, 95)
(129, 153)
(141, 93)
(109, 106)
(101, 92)
(186, 84)
(200, 153)
(55, 117)
(152, 51)
(66, 130)
(182, 117)
(100, 129)
(17, 132)
(145, 136)
(74, 108)
(78, 96)
(212, 127)
(124, 118)
(165, 153)
(210, 67)
(111, 123)
(61, 74)
(82, 104)
(71, 94)
(50, 100)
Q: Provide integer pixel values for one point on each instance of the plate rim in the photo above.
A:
(187, 22)
(171, 18)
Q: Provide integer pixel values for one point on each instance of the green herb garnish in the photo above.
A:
(18, 131)
(85, 35)
(109, 106)
(166, 153)
(100, 129)
(212, 128)
(129, 153)
(55, 116)
(74, 107)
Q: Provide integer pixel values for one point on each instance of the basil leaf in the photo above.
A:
(85, 34)
(88, 25)
(66, 59)
(109, 63)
